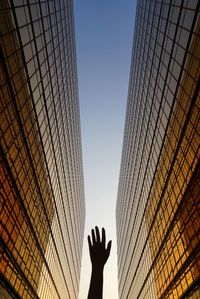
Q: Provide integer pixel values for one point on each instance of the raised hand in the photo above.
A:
(99, 254)
(98, 251)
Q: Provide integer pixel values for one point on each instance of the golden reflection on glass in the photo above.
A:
(158, 212)
(176, 228)
(17, 239)
(42, 210)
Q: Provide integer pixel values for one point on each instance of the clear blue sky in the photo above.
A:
(104, 34)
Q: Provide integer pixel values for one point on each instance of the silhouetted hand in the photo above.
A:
(98, 255)
(98, 251)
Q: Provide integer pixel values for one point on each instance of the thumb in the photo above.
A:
(108, 248)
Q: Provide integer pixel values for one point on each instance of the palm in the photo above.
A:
(98, 251)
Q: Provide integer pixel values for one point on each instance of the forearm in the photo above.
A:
(96, 284)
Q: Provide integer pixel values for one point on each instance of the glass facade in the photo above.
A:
(158, 204)
(42, 208)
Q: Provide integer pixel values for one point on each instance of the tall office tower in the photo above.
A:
(42, 210)
(158, 204)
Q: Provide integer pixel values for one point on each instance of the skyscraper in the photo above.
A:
(42, 210)
(158, 204)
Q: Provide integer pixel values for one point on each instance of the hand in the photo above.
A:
(98, 251)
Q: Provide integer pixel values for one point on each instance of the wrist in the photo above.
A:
(97, 268)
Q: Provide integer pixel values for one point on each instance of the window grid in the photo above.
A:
(34, 47)
(158, 197)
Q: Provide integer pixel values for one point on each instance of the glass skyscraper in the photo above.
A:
(42, 208)
(158, 204)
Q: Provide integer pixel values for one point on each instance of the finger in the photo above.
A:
(93, 237)
(89, 243)
(108, 248)
(103, 237)
(97, 234)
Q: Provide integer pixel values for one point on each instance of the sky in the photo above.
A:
(104, 34)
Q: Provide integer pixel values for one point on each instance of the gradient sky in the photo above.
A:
(104, 34)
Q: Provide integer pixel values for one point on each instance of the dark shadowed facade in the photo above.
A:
(158, 205)
(42, 208)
